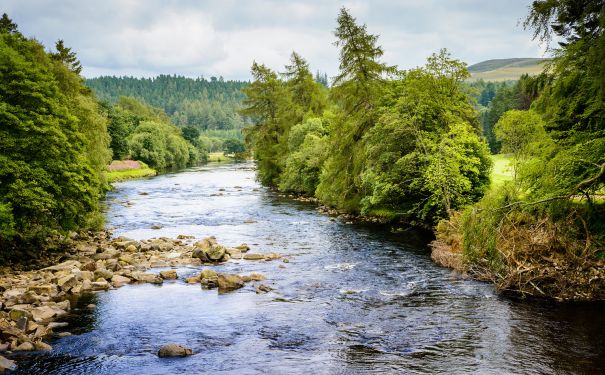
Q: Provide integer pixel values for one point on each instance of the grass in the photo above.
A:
(502, 170)
(218, 157)
(128, 170)
(506, 69)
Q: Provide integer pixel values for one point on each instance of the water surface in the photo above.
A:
(352, 299)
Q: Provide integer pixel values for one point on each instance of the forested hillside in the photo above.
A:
(204, 104)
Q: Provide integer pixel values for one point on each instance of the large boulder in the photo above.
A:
(102, 273)
(146, 277)
(65, 266)
(228, 282)
(117, 281)
(216, 253)
(18, 313)
(174, 350)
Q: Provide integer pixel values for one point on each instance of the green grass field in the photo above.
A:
(500, 70)
(502, 170)
(123, 172)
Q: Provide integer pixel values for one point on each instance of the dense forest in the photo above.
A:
(415, 145)
(200, 103)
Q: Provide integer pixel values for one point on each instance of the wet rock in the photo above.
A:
(117, 280)
(216, 253)
(206, 243)
(42, 346)
(100, 284)
(184, 237)
(253, 256)
(254, 276)
(209, 278)
(25, 347)
(18, 313)
(156, 226)
(286, 260)
(243, 247)
(7, 364)
(146, 278)
(64, 334)
(53, 325)
(229, 282)
(169, 275)
(67, 282)
(192, 280)
(103, 274)
(250, 221)
(174, 350)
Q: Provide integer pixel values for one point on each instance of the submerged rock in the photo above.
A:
(174, 350)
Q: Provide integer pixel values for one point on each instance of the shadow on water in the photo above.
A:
(352, 299)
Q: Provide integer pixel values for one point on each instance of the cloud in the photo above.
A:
(195, 38)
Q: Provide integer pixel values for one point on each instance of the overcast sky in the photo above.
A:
(205, 38)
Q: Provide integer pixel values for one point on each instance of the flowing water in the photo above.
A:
(352, 299)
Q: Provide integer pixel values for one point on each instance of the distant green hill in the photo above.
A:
(506, 69)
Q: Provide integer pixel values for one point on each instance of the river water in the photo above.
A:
(352, 299)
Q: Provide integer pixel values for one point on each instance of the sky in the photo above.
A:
(222, 38)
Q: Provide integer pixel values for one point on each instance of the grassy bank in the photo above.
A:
(122, 170)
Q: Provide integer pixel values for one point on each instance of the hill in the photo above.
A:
(206, 104)
(499, 70)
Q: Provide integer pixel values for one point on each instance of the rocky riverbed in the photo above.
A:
(33, 303)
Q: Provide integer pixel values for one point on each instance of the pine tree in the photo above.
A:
(67, 57)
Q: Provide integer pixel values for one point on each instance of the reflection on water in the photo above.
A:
(352, 299)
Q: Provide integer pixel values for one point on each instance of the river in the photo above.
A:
(352, 298)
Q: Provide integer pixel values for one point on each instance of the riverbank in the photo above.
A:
(123, 170)
(34, 303)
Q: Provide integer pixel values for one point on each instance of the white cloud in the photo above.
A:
(194, 38)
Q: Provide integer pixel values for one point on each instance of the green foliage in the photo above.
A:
(307, 145)
(159, 145)
(53, 143)
(200, 103)
(233, 146)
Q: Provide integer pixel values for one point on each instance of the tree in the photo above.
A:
(191, 134)
(233, 146)
(357, 90)
(67, 57)
(7, 26)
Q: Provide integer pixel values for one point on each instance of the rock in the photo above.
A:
(254, 276)
(25, 347)
(31, 326)
(7, 364)
(243, 247)
(169, 275)
(253, 256)
(100, 284)
(131, 249)
(250, 221)
(263, 288)
(174, 350)
(206, 243)
(53, 325)
(14, 293)
(47, 289)
(192, 280)
(229, 282)
(103, 274)
(22, 323)
(216, 253)
(117, 281)
(30, 297)
(65, 266)
(90, 266)
(209, 278)
(87, 275)
(42, 346)
(147, 278)
(285, 260)
(200, 254)
(43, 313)
(64, 334)
(17, 313)
(3, 348)
(184, 237)
(156, 226)
(67, 282)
